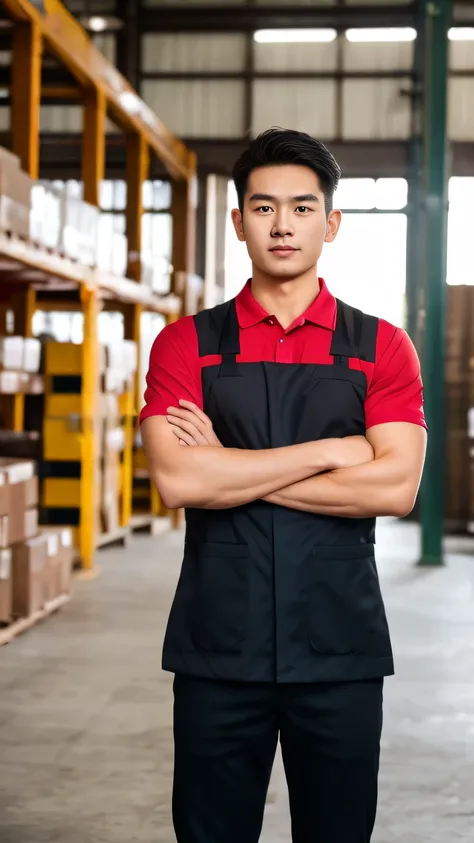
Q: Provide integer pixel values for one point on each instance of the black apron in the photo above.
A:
(266, 593)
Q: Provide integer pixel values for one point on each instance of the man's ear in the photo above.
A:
(332, 226)
(238, 224)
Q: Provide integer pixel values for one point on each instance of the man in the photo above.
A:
(285, 422)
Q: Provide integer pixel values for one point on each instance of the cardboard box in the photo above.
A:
(4, 494)
(24, 495)
(110, 494)
(23, 498)
(31, 355)
(5, 586)
(29, 561)
(65, 557)
(22, 525)
(4, 532)
(12, 353)
(457, 477)
(9, 159)
(45, 215)
(119, 254)
(14, 217)
(52, 573)
(17, 471)
(9, 383)
(15, 183)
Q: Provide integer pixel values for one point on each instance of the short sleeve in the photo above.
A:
(395, 393)
(173, 372)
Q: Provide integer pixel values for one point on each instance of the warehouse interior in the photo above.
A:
(120, 121)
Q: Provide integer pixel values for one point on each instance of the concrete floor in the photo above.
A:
(85, 712)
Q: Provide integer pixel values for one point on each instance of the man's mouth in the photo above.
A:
(282, 251)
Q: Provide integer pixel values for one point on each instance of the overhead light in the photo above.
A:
(393, 34)
(295, 36)
(97, 24)
(101, 23)
(461, 33)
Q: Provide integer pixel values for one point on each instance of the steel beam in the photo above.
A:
(26, 95)
(437, 20)
(226, 18)
(61, 156)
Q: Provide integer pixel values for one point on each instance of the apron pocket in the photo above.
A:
(220, 602)
(345, 610)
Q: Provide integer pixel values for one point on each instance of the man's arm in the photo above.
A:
(386, 486)
(211, 477)
(395, 429)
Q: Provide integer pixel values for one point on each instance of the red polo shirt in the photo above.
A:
(394, 388)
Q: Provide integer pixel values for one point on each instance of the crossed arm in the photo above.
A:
(366, 477)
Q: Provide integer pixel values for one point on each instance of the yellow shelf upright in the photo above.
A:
(90, 432)
(93, 146)
(93, 169)
(26, 94)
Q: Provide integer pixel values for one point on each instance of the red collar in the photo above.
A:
(322, 311)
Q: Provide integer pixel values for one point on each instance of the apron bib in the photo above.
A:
(268, 593)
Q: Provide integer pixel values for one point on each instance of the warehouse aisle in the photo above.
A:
(85, 712)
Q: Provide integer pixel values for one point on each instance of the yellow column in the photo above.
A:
(90, 432)
(93, 146)
(26, 95)
(93, 170)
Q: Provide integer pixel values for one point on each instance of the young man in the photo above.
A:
(285, 422)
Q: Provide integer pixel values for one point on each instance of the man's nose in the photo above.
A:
(282, 227)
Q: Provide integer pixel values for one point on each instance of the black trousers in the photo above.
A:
(226, 735)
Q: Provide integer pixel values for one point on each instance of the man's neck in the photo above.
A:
(286, 300)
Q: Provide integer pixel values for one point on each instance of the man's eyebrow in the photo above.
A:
(265, 197)
(307, 197)
(261, 197)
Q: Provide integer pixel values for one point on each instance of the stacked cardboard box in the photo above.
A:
(112, 448)
(112, 246)
(19, 365)
(45, 216)
(35, 567)
(459, 394)
(15, 195)
(117, 388)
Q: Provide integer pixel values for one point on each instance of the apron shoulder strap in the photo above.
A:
(218, 333)
(355, 334)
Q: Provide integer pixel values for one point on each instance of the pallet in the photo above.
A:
(18, 627)
(150, 524)
(115, 537)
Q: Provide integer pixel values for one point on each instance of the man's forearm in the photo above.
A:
(374, 489)
(221, 478)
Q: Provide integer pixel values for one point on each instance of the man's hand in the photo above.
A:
(191, 426)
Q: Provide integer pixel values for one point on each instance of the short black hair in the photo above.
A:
(287, 146)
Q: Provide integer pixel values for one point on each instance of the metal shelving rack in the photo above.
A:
(26, 269)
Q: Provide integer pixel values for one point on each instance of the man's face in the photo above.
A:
(284, 220)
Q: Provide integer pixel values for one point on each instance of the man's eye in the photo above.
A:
(264, 208)
(302, 209)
